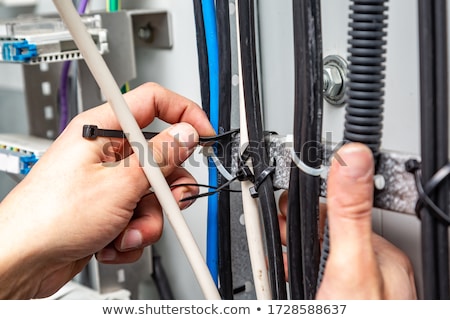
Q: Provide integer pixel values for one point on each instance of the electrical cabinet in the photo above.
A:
(176, 67)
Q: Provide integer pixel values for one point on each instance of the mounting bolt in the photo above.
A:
(145, 33)
(379, 182)
(334, 79)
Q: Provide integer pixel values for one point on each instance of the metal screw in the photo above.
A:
(334, 79)
(145, 33)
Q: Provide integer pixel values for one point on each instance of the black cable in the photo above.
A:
(427, 43)
(325, 252)
(257, 148)
(365, 94)
(222, 187)
(224, 149)
(160, 278)
(443, 200)
(202, 52)
(304, 189)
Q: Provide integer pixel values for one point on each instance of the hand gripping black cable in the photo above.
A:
(257, 148)
(365, 91)
(434, 142)
(224, 148)
(304, 189)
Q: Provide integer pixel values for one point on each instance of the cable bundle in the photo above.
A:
(304, 189)
(257, 147)
(214, 54)
(434, 143)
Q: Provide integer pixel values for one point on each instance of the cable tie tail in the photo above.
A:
(261, 178)
(413, 166)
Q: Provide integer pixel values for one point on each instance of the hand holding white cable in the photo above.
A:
(129, 125)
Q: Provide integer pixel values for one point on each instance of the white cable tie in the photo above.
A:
(223, 171)
(304, 167)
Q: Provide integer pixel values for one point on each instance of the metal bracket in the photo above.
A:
(397, 193)
(41, 82)
(151, 28)
(126, 29)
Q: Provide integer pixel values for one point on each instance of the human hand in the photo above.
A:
(361, 264)
(88, 197)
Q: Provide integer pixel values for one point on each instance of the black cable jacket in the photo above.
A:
(440, 22)
(202, 52)
(428, 144)
(160, 278)
(257, 148)
(364, 110)
(325, 253)
(224, 149)
(304, 189)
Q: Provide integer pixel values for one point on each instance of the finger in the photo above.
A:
(351, 268)
(283, 203)
(150, 101)
(173, 146)
(283, 231)
(350, 198)
(110, 255)
(185, 187)
(145, 228)
(170, 148)
(146, 102)
(147, 223)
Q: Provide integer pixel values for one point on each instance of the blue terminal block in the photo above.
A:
(26, 163)
(19, 51)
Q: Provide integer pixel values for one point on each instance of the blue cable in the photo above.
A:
(212, 243)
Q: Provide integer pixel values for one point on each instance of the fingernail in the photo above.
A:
(132, 239)
(354, 160)
(186, 204)
(106, 255)
(185, 134)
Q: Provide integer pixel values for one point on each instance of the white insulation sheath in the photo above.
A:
(250, 205)
(111, 90)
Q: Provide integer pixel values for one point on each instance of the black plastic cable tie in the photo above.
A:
(413, 166)
(91, 131)
(261, 178)
(245, 174)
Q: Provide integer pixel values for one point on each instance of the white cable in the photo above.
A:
(110, 89)
(250, 205)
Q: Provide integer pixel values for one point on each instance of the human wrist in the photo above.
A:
(22, 263)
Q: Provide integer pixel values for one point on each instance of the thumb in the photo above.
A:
(351, 262)
(350, 196)
(169, 148)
